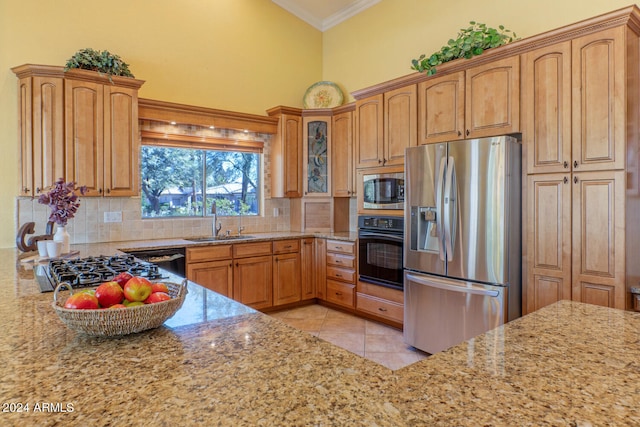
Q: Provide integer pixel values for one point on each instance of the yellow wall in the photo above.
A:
(238, 55)
(378, 44)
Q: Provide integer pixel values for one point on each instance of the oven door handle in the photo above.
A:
(394, 237)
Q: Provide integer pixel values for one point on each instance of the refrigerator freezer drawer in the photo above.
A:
(440, 313)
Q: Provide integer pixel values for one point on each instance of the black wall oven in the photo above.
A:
(380, 240)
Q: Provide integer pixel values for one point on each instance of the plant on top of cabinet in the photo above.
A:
(103, 62)
(471, 41)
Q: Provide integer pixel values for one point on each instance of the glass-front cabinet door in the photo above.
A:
(317, 155)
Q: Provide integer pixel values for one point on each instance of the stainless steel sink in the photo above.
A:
(221, 238)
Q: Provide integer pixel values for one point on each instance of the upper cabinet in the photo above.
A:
(286, 153)
(599, 103)
(342, 175)
(546, 108)
(316, 166)
(481, 101)
(41, 126)
(385, 124)
(81, 126)
(492, 98)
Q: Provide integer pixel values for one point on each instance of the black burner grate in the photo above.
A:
(91, 271)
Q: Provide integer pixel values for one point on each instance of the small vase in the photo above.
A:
(62, 236)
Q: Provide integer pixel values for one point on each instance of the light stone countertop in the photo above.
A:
(217, 362)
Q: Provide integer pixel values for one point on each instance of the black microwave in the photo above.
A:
(383, 191)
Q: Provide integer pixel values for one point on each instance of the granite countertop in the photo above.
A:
(217, 362)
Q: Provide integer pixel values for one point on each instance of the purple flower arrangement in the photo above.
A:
(63, 201)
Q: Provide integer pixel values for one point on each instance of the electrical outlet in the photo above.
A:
(113, 216)
(276, 212)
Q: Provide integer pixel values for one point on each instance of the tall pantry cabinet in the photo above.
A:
(579, 128)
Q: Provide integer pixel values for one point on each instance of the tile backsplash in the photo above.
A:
(88, 225)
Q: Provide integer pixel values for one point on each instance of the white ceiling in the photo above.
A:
(324, 14)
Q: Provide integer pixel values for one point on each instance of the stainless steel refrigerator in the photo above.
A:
(462, 250)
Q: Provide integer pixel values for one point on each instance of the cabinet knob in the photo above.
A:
(25, 190)
(100, 190)
(382, 309)
(338, 275)
(338, 293)
(276, 259)
(379, 161)
(575, 179)
(237, 264)
(108, 191)
(468, 132)
(37, 190)
(459, 133)
(566, 180)
(565, 164)
(575, 163)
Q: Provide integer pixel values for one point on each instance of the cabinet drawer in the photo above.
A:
(382, 292)
(286, 246)
(347, 261)
(380, 307)
(243, 250)
(340, 293)
(208, 253)
(341, 247)
(344, 274)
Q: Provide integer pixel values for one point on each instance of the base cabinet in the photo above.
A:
(215, 275)
(307, 272)
(252, 281)
(287, 272)
(381, 302)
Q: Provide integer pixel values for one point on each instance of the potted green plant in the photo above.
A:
(471, 41)
(103, 62)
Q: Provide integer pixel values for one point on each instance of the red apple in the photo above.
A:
(118, 306)
(122, 278)
(109, 293)
(137, 289)
(157, 297)
(82, 301)
(159, 287)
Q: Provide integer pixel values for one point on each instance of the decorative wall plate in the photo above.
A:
(323, 95)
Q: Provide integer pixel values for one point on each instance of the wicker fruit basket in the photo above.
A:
(121, 321)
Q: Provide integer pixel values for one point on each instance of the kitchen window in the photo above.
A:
(182, 177)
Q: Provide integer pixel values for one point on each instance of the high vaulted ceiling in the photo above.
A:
(324, 14)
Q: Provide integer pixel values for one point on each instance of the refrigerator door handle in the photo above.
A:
(450, 203)
(440, 207)
(450, 287)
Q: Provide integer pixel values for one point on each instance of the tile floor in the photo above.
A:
(372, 340)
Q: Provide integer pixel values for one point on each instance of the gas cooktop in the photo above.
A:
(91, 271)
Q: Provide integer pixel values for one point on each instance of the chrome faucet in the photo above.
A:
(215, 230)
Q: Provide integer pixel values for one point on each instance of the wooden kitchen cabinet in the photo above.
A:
(381, 303)
(286, 153)
(598, 247)
(441, 108)
(308, 271)
(321, 267)
(102, 141)
(342, 171)
(341, 272)
(253, 274)
(481, 101)
(548, 240)
(287, 272)
(599, 103)
(316, 165)
(492, 98)
(546, 109)
(211, 267)
(385, 124)
(214, 275)
(253, 281)
(41, 127)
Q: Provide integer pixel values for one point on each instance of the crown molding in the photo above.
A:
(324, 24)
